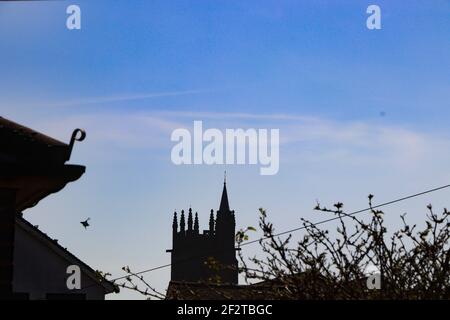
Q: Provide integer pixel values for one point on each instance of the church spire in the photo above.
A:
(224, 205)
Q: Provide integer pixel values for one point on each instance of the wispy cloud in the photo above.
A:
(302, 137)
(234, 115)
(114, 98)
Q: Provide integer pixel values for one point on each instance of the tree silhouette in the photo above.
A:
(412, 263)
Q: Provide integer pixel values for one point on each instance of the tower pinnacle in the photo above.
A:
(224, 205)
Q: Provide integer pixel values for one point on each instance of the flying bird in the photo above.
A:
(85, 223)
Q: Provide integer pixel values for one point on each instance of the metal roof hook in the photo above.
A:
(77, 135)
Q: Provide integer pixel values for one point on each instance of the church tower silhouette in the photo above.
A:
(207, 256)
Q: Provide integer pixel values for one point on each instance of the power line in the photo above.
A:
(351, 214)
(303, 227)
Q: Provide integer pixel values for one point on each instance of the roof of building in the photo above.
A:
(28, 133)
(25, 145)
(271, 289)
(178, 290)
(53, 244)
(34, 164)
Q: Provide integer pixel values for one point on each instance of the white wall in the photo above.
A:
(40, 269)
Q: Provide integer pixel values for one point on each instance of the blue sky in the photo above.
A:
(139, 69)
